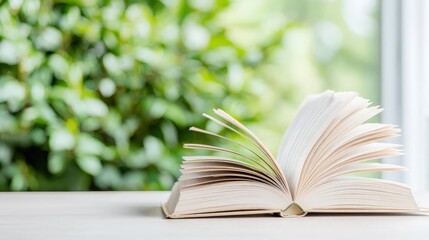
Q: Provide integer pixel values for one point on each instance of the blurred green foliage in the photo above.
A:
(99, 95)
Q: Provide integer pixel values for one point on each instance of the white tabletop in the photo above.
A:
(137, 215)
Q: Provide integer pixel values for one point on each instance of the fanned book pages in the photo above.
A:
(327, 140)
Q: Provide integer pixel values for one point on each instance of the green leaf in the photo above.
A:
(18, 183)
(154, 148)
(109, 177)
(49, 40)
(61, 139)
(56, 162)
(5, 154)
(89, 164)
(88, 145)
(11, 89)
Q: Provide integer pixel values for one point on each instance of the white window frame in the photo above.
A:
(405, 85)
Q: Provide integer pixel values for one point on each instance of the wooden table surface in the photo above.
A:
(137, 215)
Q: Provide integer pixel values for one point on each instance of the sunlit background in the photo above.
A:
(99, 95)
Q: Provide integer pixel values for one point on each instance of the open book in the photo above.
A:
(327, 140)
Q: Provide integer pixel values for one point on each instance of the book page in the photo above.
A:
(313, 118)
(227, 181)
(225, 198)
(354, 194)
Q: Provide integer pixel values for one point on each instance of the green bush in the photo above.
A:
(99, 95)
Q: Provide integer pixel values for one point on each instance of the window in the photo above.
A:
(405, 85)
